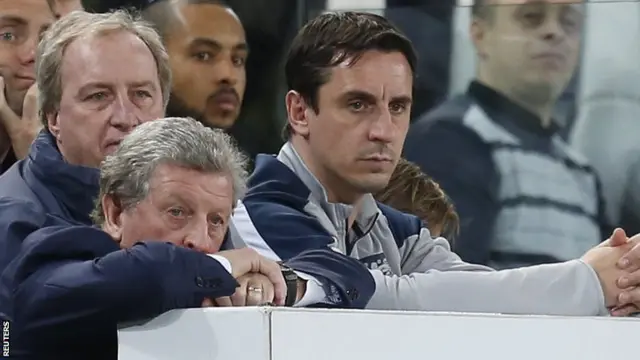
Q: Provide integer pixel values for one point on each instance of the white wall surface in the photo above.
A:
(306, 334)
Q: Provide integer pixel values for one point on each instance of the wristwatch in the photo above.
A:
(291, 279)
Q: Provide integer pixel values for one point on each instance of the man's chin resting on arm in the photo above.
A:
(163, 212)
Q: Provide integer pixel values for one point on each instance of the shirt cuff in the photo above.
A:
(226, 264)
(315, 293)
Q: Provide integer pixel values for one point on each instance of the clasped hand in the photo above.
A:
(260, 280)
(617, 263)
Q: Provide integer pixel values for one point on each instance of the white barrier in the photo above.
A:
(294, 334)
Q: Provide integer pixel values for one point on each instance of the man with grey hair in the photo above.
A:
(166, 198)
(90, 98)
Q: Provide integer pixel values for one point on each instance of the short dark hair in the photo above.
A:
(332, 38)
(412, 191)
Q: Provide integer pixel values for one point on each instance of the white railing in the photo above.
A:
(304, 334)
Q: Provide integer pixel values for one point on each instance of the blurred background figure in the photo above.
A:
(208, 53)
(21, 25)
(523, 195)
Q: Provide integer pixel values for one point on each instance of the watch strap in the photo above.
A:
(291, 280)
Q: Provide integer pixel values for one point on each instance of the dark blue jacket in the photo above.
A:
(70, 287)
(42, 190)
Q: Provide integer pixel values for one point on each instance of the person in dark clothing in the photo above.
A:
(22, 23)
(91, 97)
(524, 197)
(166, 198)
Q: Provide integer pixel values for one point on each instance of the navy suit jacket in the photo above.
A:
(70, 286)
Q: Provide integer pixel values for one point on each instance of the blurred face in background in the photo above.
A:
(529, 48)
(208, 51)
(22, 22)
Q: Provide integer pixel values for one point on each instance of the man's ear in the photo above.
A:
(112, 217)
(53, 125)
(297, 113)
(477, 31)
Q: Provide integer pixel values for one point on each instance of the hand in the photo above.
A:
(247, 260)
(603, 259)
(22, 131)
(255, 289)
(630, 262)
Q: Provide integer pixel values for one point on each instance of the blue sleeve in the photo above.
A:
(67, 295)
(281, 232)
(18, 219)
(461, 163)
(346, 282)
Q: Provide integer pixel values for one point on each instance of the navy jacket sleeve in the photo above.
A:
(461, 163)
(346, 282)
(18, 219)
(281, 232)
(64, 292)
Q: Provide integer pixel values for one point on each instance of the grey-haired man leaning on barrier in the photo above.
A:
(166, 198)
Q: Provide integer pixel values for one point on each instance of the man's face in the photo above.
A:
(208, 51)
(104, 95)
(532, 45)
(186, 207)
(21, 24)
(356, 138)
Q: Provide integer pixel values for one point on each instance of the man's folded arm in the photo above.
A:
(279, 232)
(333, 278)
(569, 288)
(438, 280)
(61, 289)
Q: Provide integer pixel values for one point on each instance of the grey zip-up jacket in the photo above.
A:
(286, 211)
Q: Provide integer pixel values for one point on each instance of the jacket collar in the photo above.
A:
(337, 212)
(507, 113)
(75, 187)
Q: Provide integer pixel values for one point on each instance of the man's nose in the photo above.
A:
(125, 116)
(382, 129)
(226, 71)
(199, 239)
(552, 29)
(27, 51)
